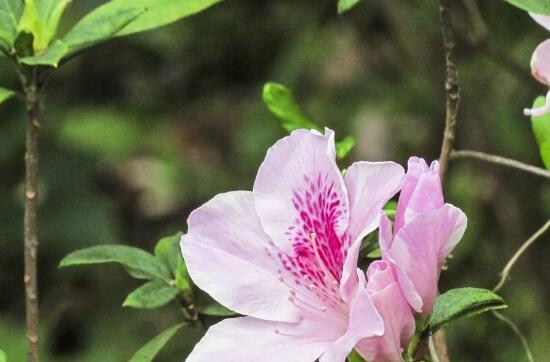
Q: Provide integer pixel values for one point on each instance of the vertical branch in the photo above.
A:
(34, 110)
(452, 86)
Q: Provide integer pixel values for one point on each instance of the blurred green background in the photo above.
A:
(142, 130)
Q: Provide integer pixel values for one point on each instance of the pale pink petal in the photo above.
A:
(540, 62)
(226, 253)
(385, 237)
(254, 340)
(421, 191)
(540, 111)
(399, 323)
(364, 322)
(420, 248)
(370, 185)
(543, 20)
(302, 202)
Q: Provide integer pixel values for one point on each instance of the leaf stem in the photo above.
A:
(503, 161)
(506, 270)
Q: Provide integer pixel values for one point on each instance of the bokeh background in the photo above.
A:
(143, 129)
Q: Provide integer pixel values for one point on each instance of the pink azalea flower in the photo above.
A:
(426, 231)
(540, 66)
(399, 323)
(285, 256)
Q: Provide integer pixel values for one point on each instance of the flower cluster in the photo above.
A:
(285, 255)
(540, 66)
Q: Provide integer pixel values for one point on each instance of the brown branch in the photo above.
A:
(503, 161)
(34, 112)
(452, 86)
(506, 270)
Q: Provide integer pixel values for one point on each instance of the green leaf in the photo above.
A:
(103, 23)
(344, 146)
(461, 303)
(151, 295)
(150, 350)
(535, 6)
(3, 357)
(280, 101)
(5, 94)
(183, 280)
(161, 12)
(51, 57)
(10, 14)
(50, 12)
(139, 263)
(355, 357)
(215, 309)
(168, 251)
(541, 129)
(345, 5)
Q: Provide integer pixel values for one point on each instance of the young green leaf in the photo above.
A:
(139, 263)
(391, 209)
(50, 12)
(344, 146)
(10, 13)
(541, 129)
(55, 52)
(541, 7)
(152, 348)
(5, 94)
(280, 101)
(215, 309)
(151, 295)
(160, 12)
(3, 357)
(355, 357)
(461, 303)
(183, 280)
(345, 5)
(168, 251)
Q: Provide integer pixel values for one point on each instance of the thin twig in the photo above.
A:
(506, 271)
(516, 330)
(452, 86)
(503, 161)
(34, 111)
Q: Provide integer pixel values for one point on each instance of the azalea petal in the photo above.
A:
(364, 321)
(421, 191)
(399, 323)
(420, 248)
(540, 62)
(370, 185)
(543, 20)
(385, 240)
(227, 255)
(302, 201)
(254, 340)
